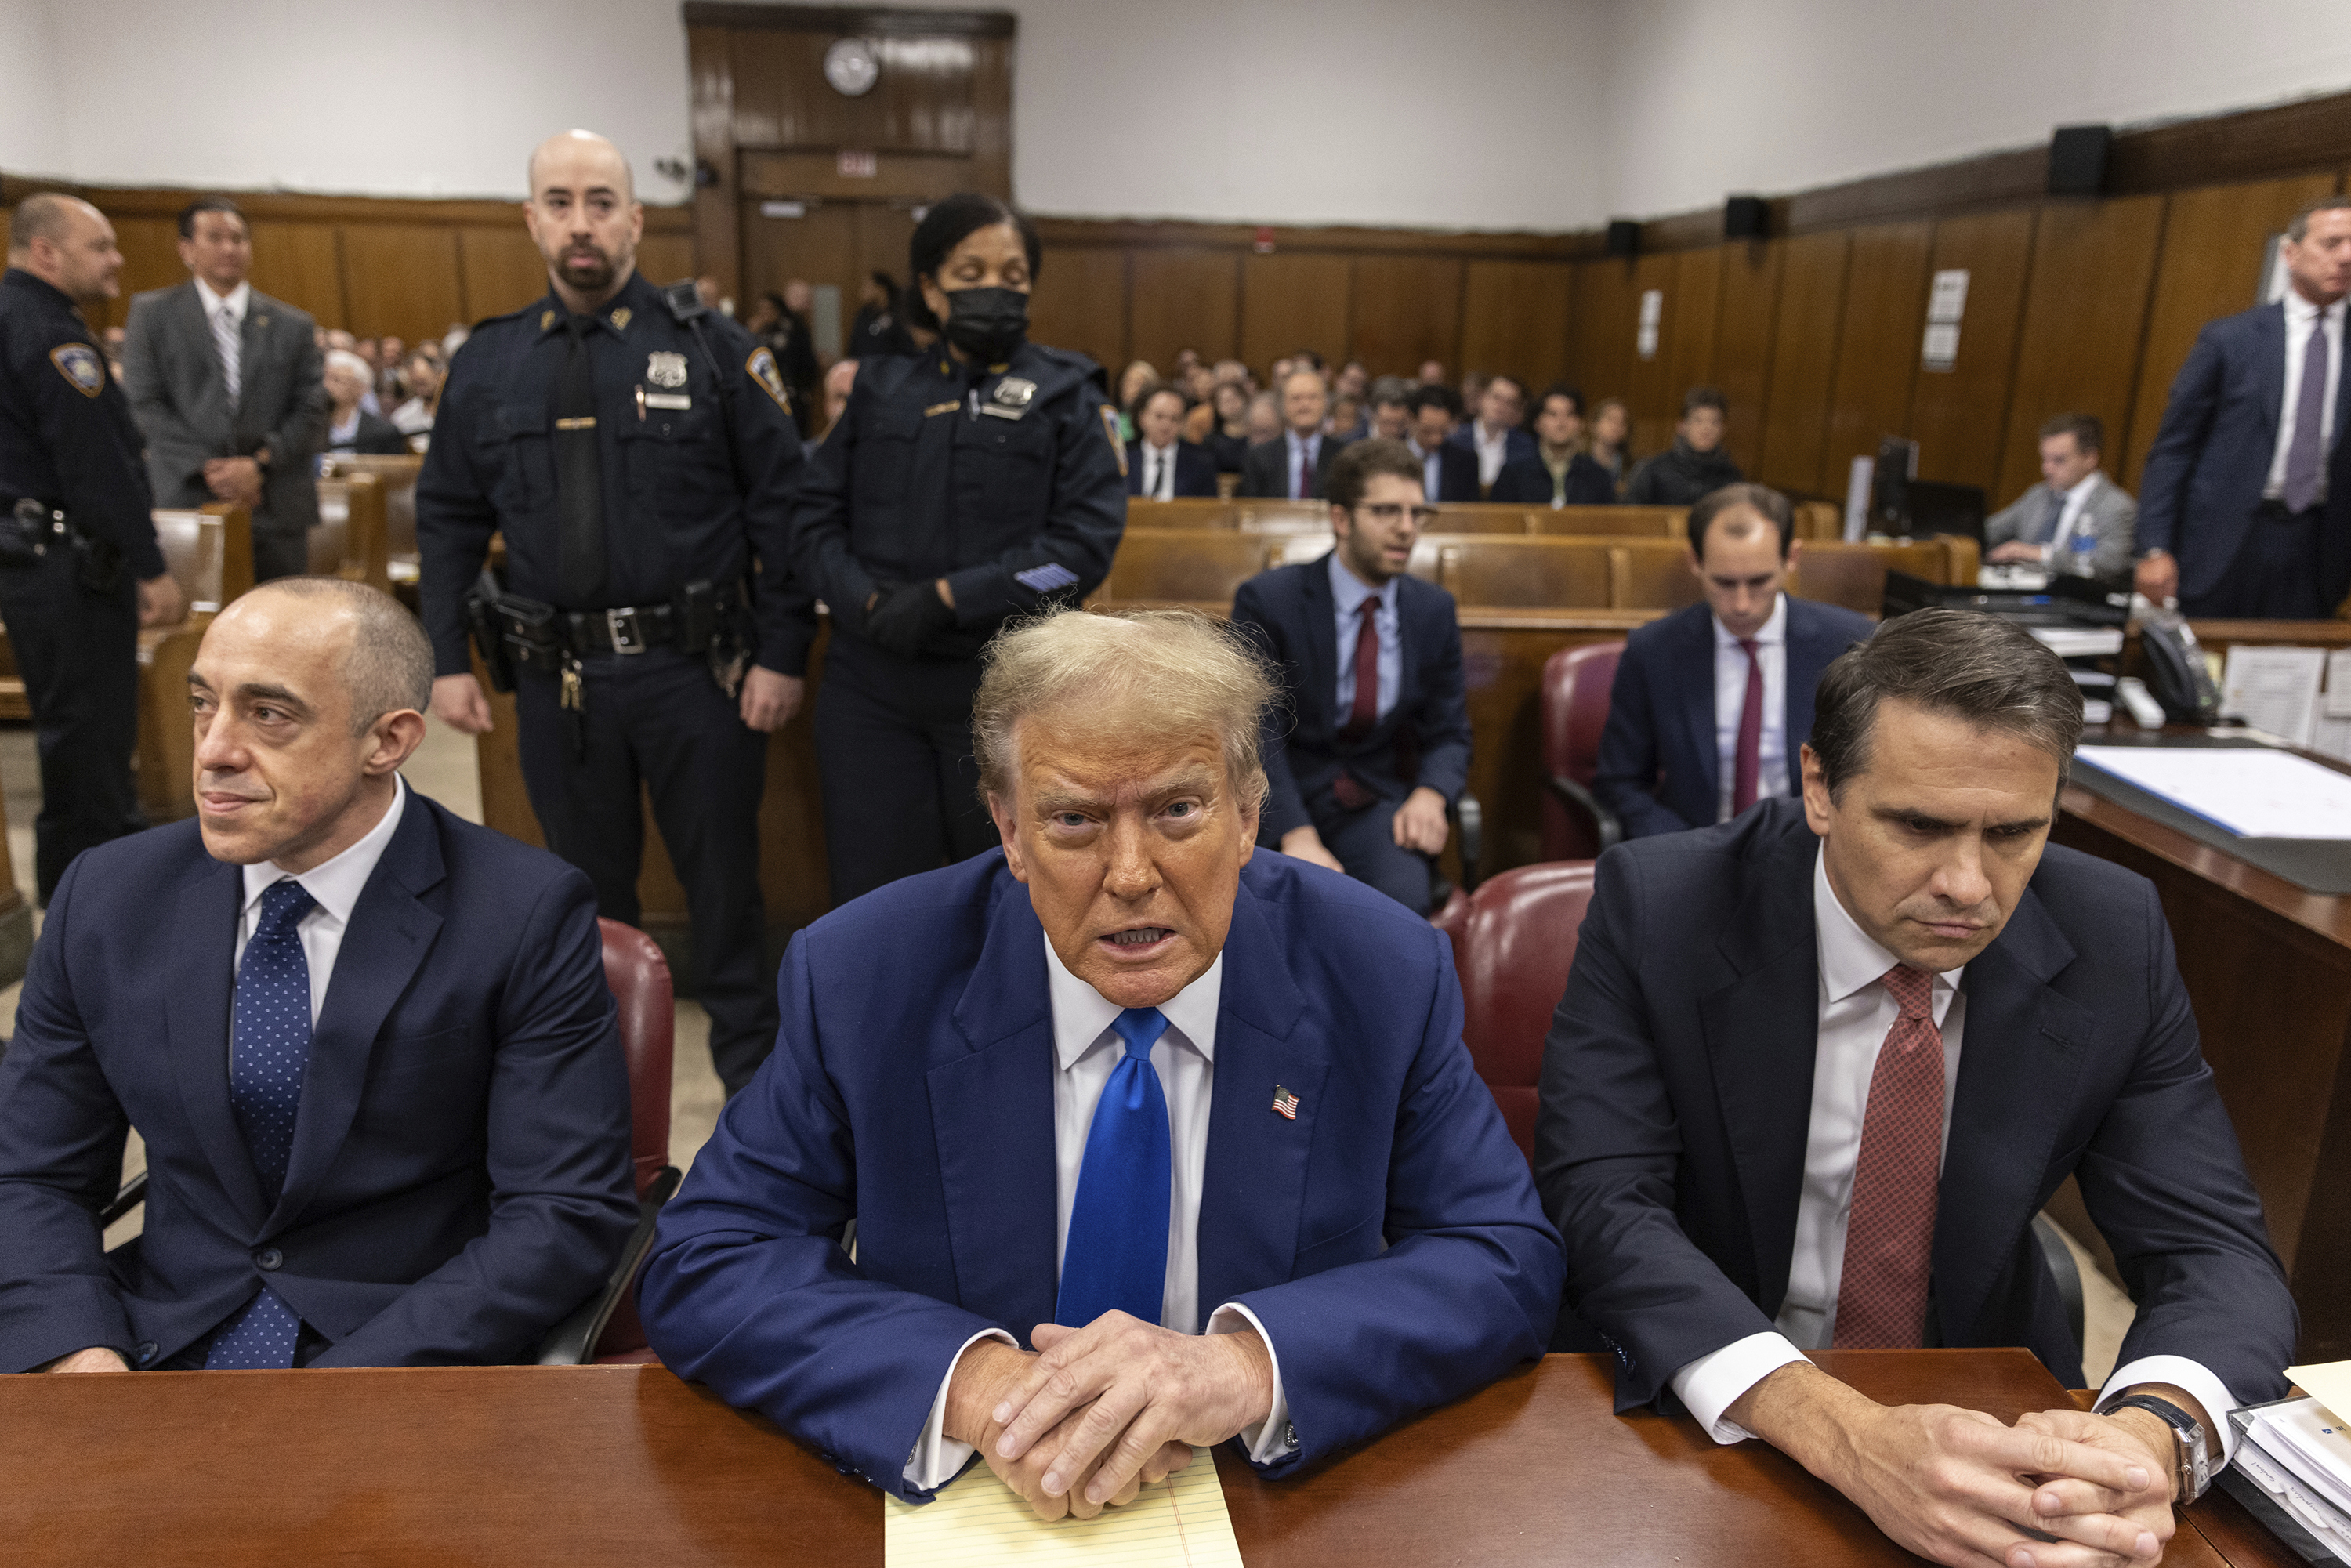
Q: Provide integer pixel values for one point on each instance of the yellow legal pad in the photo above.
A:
(977, 1521)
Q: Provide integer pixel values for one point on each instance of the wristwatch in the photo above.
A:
(2193, 1456)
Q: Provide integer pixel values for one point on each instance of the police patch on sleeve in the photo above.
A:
(1109, 429)
(79, 364)
(762, 366)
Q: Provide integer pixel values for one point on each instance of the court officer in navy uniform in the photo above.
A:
(80, 569)
(973, 482)
(640, 458)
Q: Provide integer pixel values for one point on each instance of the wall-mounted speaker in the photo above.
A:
(1743, 217)
(1623, 236)
(2077, 159)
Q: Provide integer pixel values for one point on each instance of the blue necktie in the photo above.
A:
(272, 1050)
(1116, 1254)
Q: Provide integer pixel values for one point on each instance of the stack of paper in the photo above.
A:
(2301, 1455)
(977, 1521)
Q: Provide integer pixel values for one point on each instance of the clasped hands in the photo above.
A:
(1098, 1413)
(900, 617)
(233, 479)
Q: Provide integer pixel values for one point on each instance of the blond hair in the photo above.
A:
(1187, 673)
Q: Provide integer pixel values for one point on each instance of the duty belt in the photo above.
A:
(628, 629)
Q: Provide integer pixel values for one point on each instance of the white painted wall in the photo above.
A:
(1710, 96)
(1545, 114)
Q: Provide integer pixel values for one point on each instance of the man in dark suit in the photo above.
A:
(1160, 463)
(1559, 474)
(1494, 437)
(1196, 1122)
(1295, 465)
(1448, 471)
(2243, 508)
(1373, 744)
(369, 1046)
(1711, 702)
(1816, 1071)
(225, 384)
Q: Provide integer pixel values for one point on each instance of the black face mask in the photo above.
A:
(987, 323)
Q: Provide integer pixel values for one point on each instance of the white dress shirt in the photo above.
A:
(1347, 595)
(1855, 1012)
(342, 433)
(1432, 468)
(1730, 705)
(2071, 517)
(1493, 451)
(2299, 315)
(1158, 483)
(236, 300)
(1085, 1050)
(335, 885)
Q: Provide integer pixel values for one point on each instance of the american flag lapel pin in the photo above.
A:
(1285, 1102)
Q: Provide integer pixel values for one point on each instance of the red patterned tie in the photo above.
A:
(1364, 711)
(1305, 473)
(1747, 763)
(1889, 1237)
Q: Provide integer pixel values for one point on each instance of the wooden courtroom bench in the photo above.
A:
(398, 478)
(350, 540)
(210, 555)
(1601, 522)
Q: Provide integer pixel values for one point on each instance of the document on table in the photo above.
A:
(2253, 791)
(977, 1521)
(2273, 689)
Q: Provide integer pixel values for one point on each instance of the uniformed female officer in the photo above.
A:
(965, 485)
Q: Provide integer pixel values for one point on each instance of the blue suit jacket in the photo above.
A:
(912, 1089)
(2211, 455)
(1289, 610)
(1195, 469)
(1527, 480)
(1677, 1100)
(460, 1178)
(1517, 445)
(1660, 769)
(1457, 472)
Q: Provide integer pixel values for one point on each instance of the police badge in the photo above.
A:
(79, 364)
(664, 369)
(762, 368)
(1010, 399)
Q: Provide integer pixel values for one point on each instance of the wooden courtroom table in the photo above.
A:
(628, 1465)
(2268, 970)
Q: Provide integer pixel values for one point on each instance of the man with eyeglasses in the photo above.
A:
(1373, 745)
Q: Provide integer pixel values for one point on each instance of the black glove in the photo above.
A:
(906, 617)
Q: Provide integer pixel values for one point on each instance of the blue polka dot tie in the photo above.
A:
(272, 1050)
(1116, 1252)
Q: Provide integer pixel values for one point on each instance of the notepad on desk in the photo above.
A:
(2254, 791)
(977, 1521)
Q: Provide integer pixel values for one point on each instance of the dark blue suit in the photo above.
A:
(460, 1176)
(1659, 768)
(1528, 480)
(1423, 739)
(1676, 1097)
(1457, 472)
(1195, 469)
(912, 1089)
(1517, 445)
(2206, 471)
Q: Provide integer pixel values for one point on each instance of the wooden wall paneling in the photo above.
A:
(819, 245)
(151, 259)
(664, 258)
(501, 270)
(1804, 360)
(1654, 400)
(1743, 339)
(1605, 313)
(403, 279)
(2085, 320)
(1514, 317)
(1404, 309)
(1693, 311)
(1080, 303)
(1877, 345)
(1958, 415)
(1184, 298)
(2210, 266)
(301, 263)
(1289, 301)
(718, 244)
(885, 231)
(991, 111)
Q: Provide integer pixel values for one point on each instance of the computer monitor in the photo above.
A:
(1898, 460)
(1945, 509)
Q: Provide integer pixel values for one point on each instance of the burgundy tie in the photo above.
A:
(1305, 473)
(1747, 762)
(1889, 1236)
(1364, 711)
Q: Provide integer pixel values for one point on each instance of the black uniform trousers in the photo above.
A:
(656, 718)
(79, 654)
(2275, 576)
(894, 752)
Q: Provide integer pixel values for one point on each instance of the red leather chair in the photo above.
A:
(639, 977)
(1512, 951)
(1575, 683)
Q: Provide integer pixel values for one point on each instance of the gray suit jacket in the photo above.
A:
(172, 372)
(2111, 513)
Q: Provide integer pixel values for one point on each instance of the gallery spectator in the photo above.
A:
(1696, 465)
(350, 427)
(1559, 474)
(1448, 471)
(1494, 436)
(1608, 439)
(1229, 443)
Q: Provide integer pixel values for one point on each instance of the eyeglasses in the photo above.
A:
(1390, 511)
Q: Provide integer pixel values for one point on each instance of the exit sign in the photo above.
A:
(859, 166)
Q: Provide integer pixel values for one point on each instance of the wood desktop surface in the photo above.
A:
(629, 1466)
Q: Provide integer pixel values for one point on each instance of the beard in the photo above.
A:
(587, 269)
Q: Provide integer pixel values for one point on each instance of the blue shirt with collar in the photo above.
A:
(1348, 593)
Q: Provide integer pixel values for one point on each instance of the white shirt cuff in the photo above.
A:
(1713, 1382)
(1274, 1436)
(2189, 1378)
(938, 1459)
